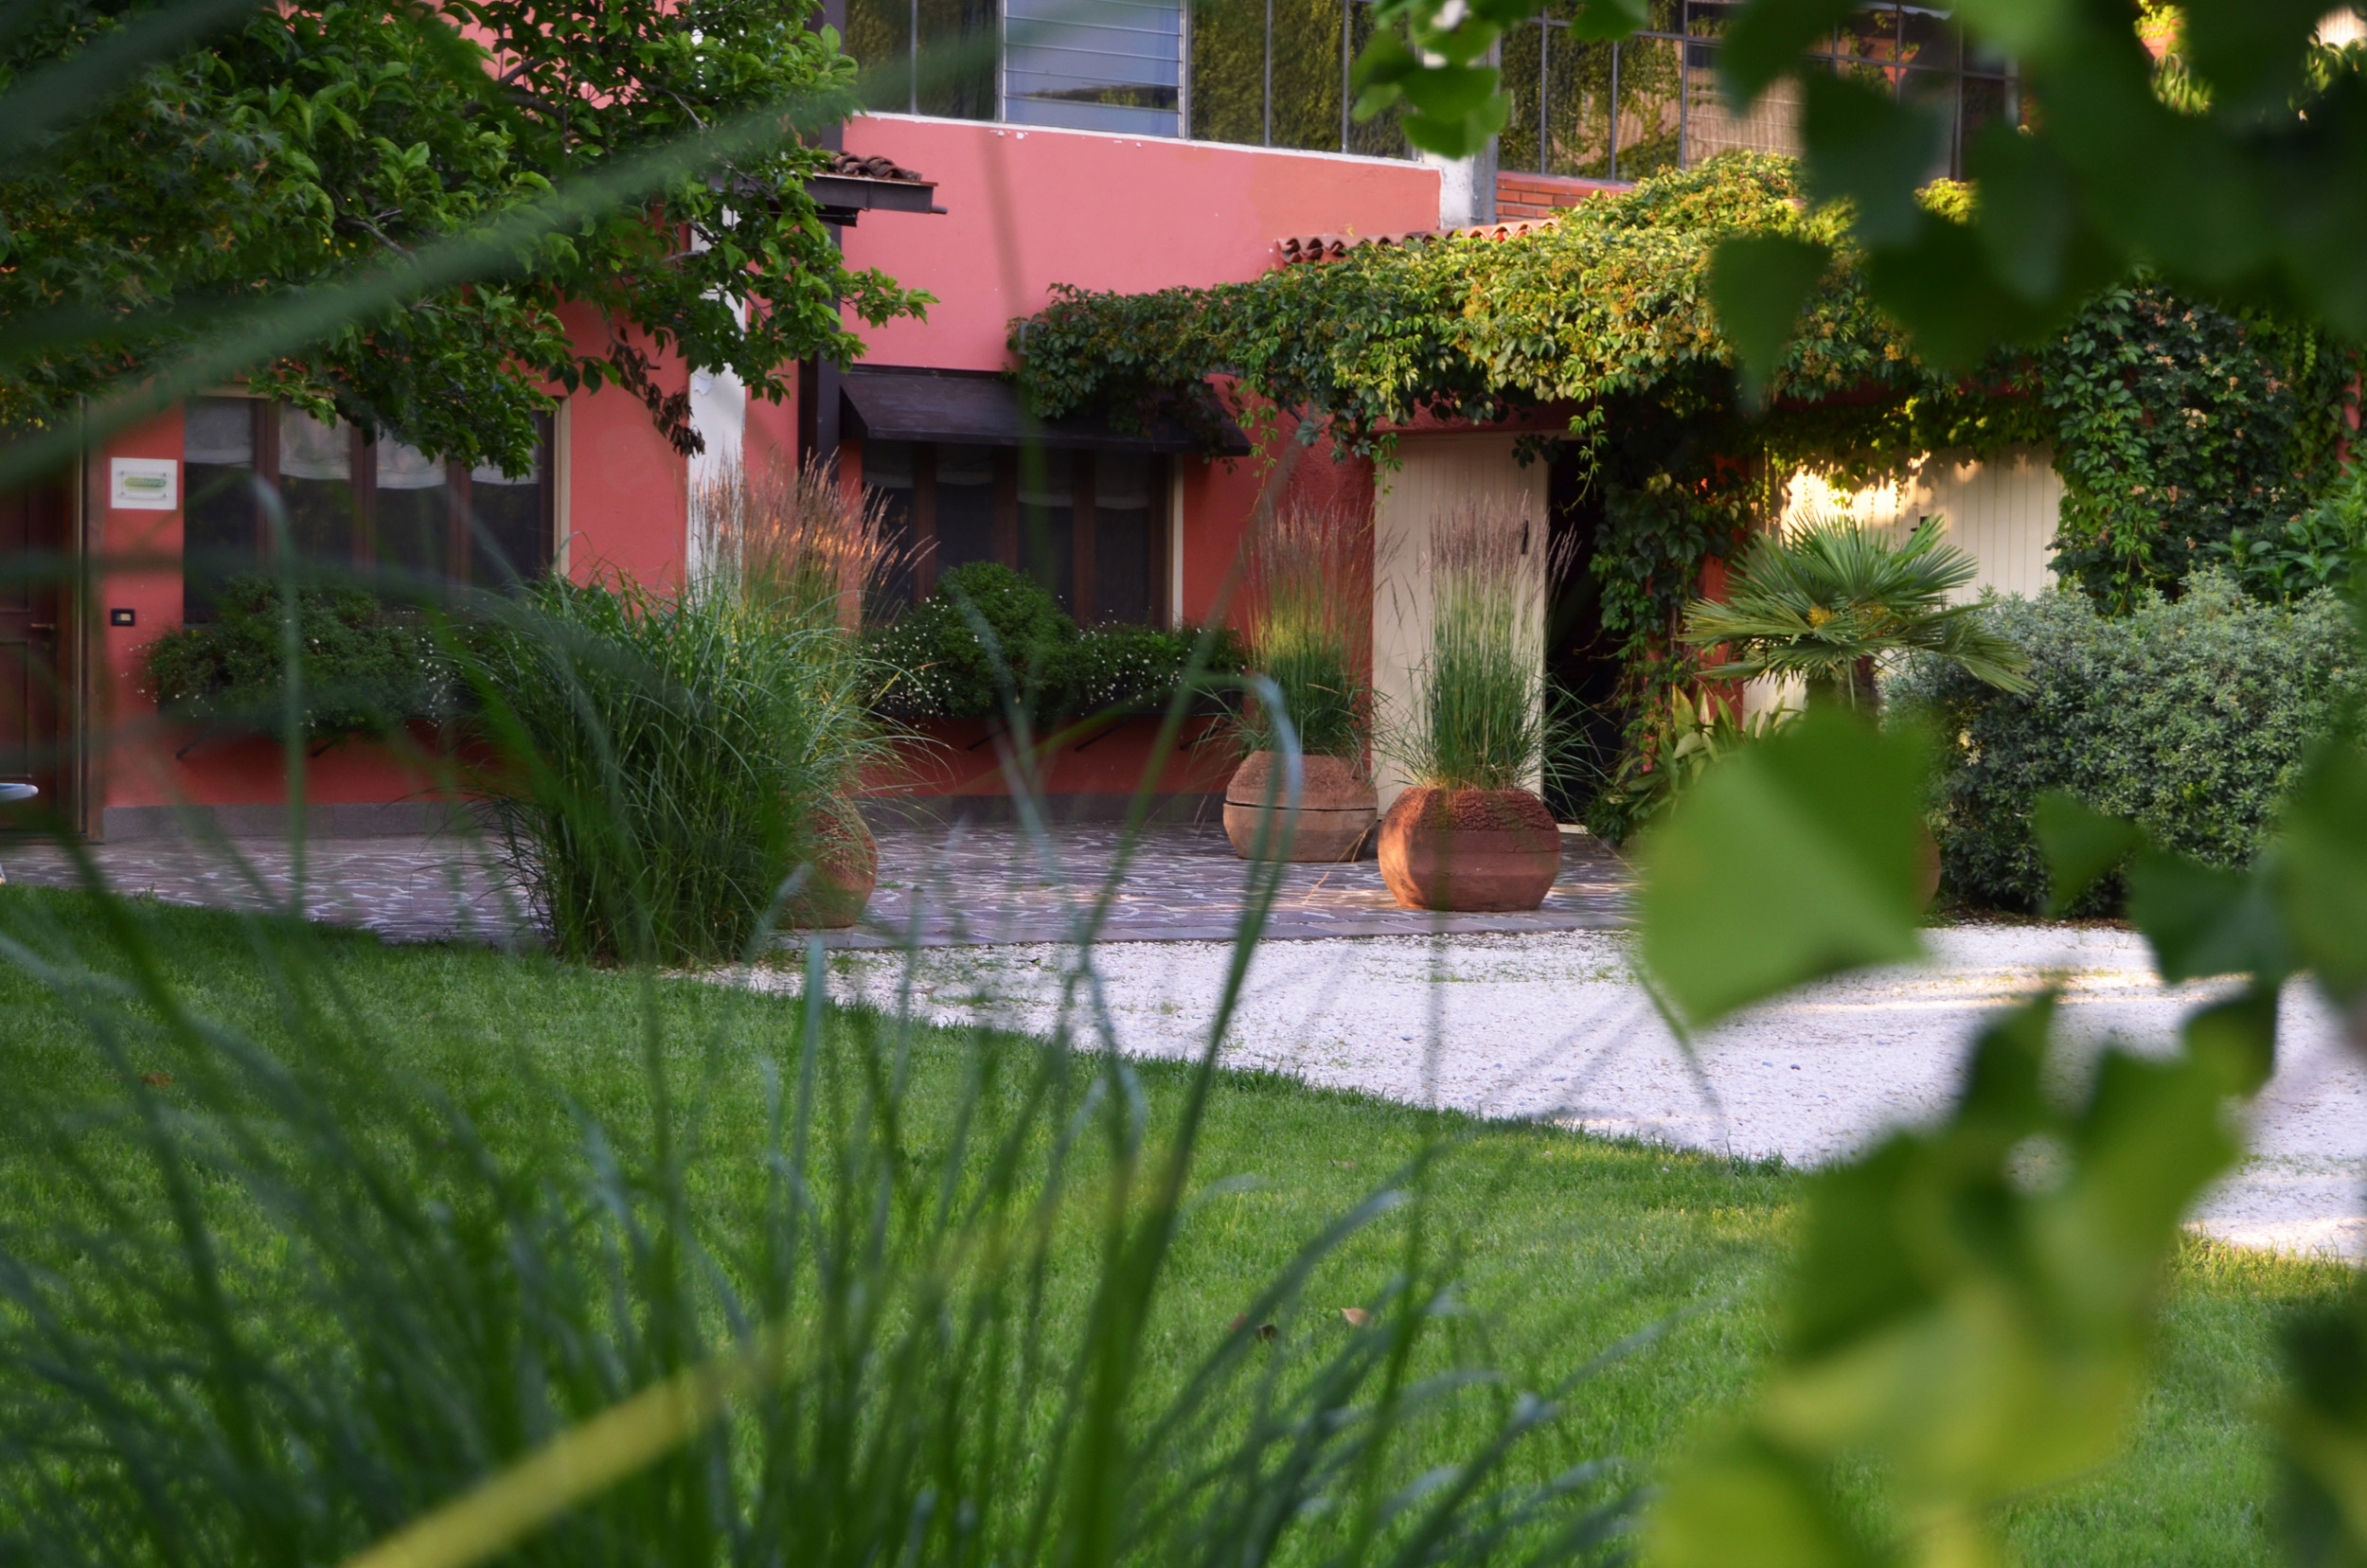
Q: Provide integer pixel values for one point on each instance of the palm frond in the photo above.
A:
(1836, 592)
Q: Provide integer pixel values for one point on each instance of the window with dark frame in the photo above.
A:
(350, 499)
(1275, 73)
(1652, 101)
(1087, 523)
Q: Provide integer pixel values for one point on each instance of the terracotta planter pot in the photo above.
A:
(1335, 816)
(1470, 850)
(835, 891)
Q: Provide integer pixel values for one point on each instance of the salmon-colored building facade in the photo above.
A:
(1025, 207)
(1105, 144)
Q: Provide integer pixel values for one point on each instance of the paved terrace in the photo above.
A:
(949, 885)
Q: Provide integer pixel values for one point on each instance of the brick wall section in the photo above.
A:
(1543, 195)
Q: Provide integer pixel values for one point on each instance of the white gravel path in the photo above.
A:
(1554, 1026)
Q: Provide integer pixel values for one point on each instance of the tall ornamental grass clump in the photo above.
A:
(1310, 579)
(1478, 718)
(667, 767)
(2190, 716)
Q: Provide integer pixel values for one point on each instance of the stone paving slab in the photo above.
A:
(407, 889)
(950, 885)
(964, 884)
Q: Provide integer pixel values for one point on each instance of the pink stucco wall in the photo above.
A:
(1027, 208)
(625, 495)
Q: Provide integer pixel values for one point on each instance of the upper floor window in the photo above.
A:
(350, 499)
(1652, 101)
(1265, 72)
(1274, 73)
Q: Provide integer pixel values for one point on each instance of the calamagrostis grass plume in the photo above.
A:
(1478, 718)
(795, 536)
(1309, 577)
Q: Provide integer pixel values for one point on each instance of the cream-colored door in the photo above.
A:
(1435, 473)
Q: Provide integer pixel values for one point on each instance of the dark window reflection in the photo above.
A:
(413, 513)
(1125, 503)
(1048, 523)
(317, 486)
(964, 506)
(219, 507)
(509, 536)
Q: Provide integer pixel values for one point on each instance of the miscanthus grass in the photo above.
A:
(663, 768)
(792, 1286)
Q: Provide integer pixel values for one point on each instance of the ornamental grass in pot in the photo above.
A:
(1471, 833)
(1309, 630)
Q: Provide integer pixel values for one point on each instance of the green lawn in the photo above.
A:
(1561, 1244)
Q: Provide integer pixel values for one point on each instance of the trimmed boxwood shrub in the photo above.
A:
(367, 669)
(940, 666)
(2189, 716)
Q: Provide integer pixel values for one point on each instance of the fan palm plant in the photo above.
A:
(1828, 603)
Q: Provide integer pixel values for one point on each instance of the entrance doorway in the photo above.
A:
(1582, 663)
(32, 593)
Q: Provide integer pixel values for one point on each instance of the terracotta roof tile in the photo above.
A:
(868, 169)
(1330, 247)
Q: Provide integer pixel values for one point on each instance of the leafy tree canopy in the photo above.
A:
(298, 146)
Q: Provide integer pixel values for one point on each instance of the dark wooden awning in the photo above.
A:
(842, 198)
(884, 402)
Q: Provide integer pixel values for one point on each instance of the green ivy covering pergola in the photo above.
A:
(1605, 317)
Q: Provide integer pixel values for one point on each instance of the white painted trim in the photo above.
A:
(563, 483)
(1003, 127)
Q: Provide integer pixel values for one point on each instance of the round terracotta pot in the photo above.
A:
(1472, 852)
(835, 891)
(1335, 815)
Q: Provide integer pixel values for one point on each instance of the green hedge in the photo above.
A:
(940, 668)
(367, 668)
(2189, 716)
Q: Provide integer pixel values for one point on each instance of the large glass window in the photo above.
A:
(1274, 73)
(1652, 101)
(366, 503)
(1088, 525)
(1095, 65)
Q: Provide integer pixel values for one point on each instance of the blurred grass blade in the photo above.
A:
(581, 1462)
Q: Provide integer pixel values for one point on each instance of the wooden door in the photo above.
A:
(32, 570)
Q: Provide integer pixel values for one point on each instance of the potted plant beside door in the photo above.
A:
(1309, 625)
(1471, 833)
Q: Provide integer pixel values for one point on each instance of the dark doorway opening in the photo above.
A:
(1581, 666)
(32, 595)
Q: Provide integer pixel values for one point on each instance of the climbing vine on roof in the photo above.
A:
(1612, 303)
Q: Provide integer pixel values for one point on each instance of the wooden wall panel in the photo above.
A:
(2003, 511)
